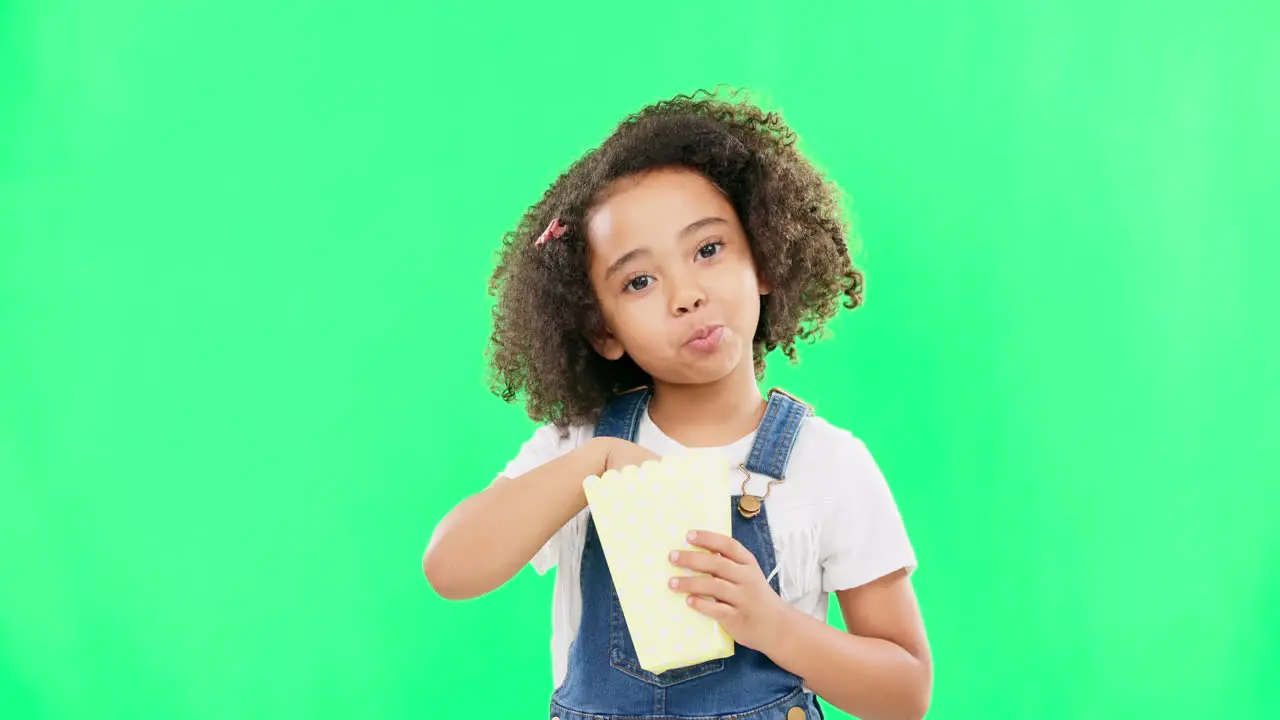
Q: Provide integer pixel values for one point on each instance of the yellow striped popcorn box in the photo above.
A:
(642, 514)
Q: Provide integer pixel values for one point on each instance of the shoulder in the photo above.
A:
(546, 443)
(823, 441)
(834, 459)
(565, 438)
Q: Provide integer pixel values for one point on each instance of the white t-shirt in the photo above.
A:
(834, 522)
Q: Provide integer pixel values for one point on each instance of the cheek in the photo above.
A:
(741, 290)
(641, 317)
(641, 326)
(739, 279)
(619, 317)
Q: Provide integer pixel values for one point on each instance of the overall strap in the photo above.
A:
(621, 415)
(776, 436)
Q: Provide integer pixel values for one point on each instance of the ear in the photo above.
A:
(607, 345)
(765, 287)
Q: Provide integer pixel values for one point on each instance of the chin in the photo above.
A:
(690, 376)
(702, 371)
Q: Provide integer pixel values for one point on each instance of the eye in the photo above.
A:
(638, 283)
(710, 249)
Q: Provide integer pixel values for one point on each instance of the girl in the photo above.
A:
(636, 305)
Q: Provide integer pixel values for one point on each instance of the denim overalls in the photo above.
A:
(605, 680)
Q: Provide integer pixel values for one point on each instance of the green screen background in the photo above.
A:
(243, 254)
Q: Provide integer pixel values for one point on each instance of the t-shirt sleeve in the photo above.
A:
(863, 536)
(545, 445)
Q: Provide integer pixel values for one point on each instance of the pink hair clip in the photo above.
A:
(554, 230)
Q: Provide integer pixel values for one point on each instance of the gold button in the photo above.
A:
(796, 713)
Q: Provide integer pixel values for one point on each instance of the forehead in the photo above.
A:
(657, 204)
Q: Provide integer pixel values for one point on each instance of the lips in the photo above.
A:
(702, 334)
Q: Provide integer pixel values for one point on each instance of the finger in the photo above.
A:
(707, 586)
(709, 563)
(718, 611)
(722, 544)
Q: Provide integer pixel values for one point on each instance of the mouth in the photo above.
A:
(705, 337)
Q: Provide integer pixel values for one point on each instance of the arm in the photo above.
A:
(484, 541)
(880, 669)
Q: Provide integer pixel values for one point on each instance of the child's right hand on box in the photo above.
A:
(621, 453)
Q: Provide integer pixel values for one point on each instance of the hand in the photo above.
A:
(622, 453)
(602, 454)
(733, 592)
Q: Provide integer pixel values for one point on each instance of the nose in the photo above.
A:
(686, 296)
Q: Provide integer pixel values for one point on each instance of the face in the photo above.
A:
(671, 267)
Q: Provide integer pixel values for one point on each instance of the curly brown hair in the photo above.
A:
(546, 309)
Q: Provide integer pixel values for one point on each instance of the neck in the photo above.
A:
(709, 415)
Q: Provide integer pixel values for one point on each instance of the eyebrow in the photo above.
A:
(689, 229)
(697, 225)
